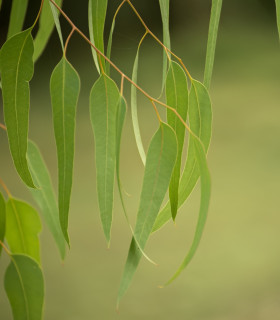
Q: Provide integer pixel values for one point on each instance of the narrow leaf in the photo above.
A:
(212, 39)
(24, 285)
(164, 9)
(65, 87)
(277, 3)
(104, 99)
(204, 205)
(161, 158)
(22, 228)
(120, 121)
(96, 15)
(200, 117)
(48, 18)
(2, 219)
(176, 97)
(16, 68)
(134, 113)
(17, 16)
(44, 195)
(109, 47)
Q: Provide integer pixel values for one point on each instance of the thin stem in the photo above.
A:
(39, 13)
(156, 110)
(5, 248)
(120, 72)
(5, 188)
(3, 127)
(67, 41)
(118, 9)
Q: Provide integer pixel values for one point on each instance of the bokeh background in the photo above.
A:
(235, 273)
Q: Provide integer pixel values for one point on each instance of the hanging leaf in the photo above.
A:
(16, 68)
(24, 285)
(109, 47)
(65, 87)
(212, 39)
(17, 16)
(22, 228)
(44, 195)
(200, 117)
(96, 21)
(134, 113)
(48, 19)
(176, 97)
(2, 219)
(104, 99)
(161, 158)
(164, 9)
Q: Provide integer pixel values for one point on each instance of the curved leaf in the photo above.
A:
(104, 99)
(22, 228)
(212, 39)
(96, 21)
(44, 195)
(48, 18)
(2, 219)
(16, 68)
(17, 16)
(176, 97)
(134, 114)
(24, 285)
(65, 87)
(109, 47)
(200, 118)
(161, 158)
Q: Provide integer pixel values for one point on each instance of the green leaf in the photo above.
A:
(65, 87)
(0, 4)
(161, 158)
(2, 219)
(44, 195)
(164, 9)
(22, 228)
(176, 97)
(204, 205)
(104, 100)
(16, 68)
(200, 117)
(96, 21)
(17, 16)
(109, 47)
(277, 3)
(48, 18)
(24, 285)
(212, 39)
(134, 113)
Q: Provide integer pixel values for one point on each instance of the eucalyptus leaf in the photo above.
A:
(17, 16)
(109, 47)
(161, 159)
(200, 118)
(44, 195)
(24, 285)
(48, 19)
(22, 228)
(2, 219)
(96, 15)
(104, 100)
(65, 88)
(277, 3)
(164, 9)
(212, 39)
(134, 112)
(176, 97)
(16, 68)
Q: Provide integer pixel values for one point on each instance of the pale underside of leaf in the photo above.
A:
(17, 16)
(161, 158)
(24, 285)
(22, 228)
(16, 71)
(48, 19)
(2, 219)
(212, 39)
(104, 100)
(134, 112)
(44, 195)
(200, 111)
(65, 88)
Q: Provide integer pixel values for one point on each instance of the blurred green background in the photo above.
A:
(235, 273)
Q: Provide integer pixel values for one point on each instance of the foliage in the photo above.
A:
(188, 122)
